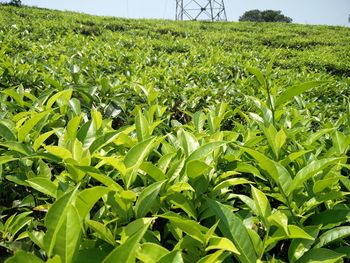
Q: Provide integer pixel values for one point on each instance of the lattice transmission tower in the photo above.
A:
(213, 10)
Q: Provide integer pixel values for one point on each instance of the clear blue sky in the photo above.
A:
(331, 12)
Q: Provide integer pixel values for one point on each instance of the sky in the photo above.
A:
(329, 12)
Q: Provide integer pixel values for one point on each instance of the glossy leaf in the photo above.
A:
(151, 252)
(126, 252)
(29, 125)
(321, 255)
(43, 185)
(261, 203)
(277, 172)
(63, 228)
(308, 171)
(233, 228)
(147, 199)
(204, 150)
(332, 235)
(172, 257)
(22, 256)
(6, 133)
(86, 199)
(296, 90)
(102, 231)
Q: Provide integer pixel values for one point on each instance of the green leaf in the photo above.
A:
(199, 119)
(17, 147)
(72, 127)
(43, 185)
(29, 125)
(293, 156)
(233, 228)
(37, 237)
(151, 252)
(280, 219)
(340, 142)
(262, 204)
(17, 222)
(313, 137)
(115, 162)
(344, 250)
(134, 226)
(17, 97)
(216, 257)
(6, 133)
(63, 228)
(59, 152)
(88, 197)
(280, 139)
(126, 253)
(259, 76)
(142, 127)
(100, 177)
(153, 171)
(91, 255)
(67, 239)
(330, 216)
(180, 201)
(86, 134)
(135, 157)
(97, 118)
(258, 244)
(75, 106)
(107, 138)
(298, 247)
(173, 257)
(204, 150)
(270, 133)
(138, 153)
(231, 182)
(333, 235)
(296, 90)
(64, 94)
(320, 255)
(190, 227)
(293, 233)
(102, 231)
(321, 185)
(222, 243)
(196, 168)
(310, 170)
(21, 256)
(187, 141)
(277, 172)
(247, 168)
(6, 159)
(40, 140)
(147, 199)
(179, 187)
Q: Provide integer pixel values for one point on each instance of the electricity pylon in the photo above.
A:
(213, 10)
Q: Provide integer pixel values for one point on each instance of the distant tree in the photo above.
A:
(265, 16)
(275, 16)
(15, 2)
(252, 15)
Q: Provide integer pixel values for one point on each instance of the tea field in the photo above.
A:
(158, 141)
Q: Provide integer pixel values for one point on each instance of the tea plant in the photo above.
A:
(147, 141)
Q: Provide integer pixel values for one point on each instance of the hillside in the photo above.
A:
(128, 140)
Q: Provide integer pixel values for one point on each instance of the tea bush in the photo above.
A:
(157, 141)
